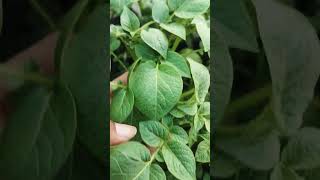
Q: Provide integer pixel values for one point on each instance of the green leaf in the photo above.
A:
(192, 8)
(289, 55)
(303, 150)
(86, 58)
(129, 21)
(177, 133)
(232, 21)
(160, 11)
(201, 79)
(204, 109)
(130, 161)
(203, 152)
(177, 113)
(121, 105)
(156, 87)
(179, 160)
(283, 173)
(39, 135)
(115, 44)
(179, 62)
(222, 77)
(153, 133)
(167, 120)
(256, 140)
(118, 5)
(174, 4)
(116, 31)
(157, 173)
(67, 28)
(203, 30)
(223, 166)
(198, 122)
(189, 108)
(156, 39)
(144, 52)
(176, 29)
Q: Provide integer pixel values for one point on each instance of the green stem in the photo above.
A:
(43, 14)
(248, 100)
(187, 93)
(33, 77)
(144, 26)
(176, 44)
(132, 54)
(149, 162)
(117, 59)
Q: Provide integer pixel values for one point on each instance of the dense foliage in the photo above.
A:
(165, 46)
(266, 66)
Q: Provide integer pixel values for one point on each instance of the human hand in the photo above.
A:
(120, 133)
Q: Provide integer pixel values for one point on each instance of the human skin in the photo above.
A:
(42, 52)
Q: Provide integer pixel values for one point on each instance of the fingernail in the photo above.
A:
(125, 132)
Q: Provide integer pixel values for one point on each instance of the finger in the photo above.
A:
(120, 133)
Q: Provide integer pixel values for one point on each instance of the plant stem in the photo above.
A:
(176, 44)
(132, 54)
(248, 100)
(187, 93)
(33, 77)
(119, 61)
(144, 26)
(43, 14)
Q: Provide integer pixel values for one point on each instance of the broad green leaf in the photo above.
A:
(283, 173)
(67, 28)
(198, 122)
(129, 21)
(160, 11)
(144, 52)
(176, 29)
(153, 133)
(156, 39)
(159, 157)
(223, 166)
(116, 31)
(303, 150)
(86, 58)
(177, 113)
(201, 79)
(174, 4)
(39, 135)
(115, 44)
(192, 8)
(179, 62)
(289, 55)
(203, 152)
(121, 105)
(232, 21)
(256, 140)
(118, 5)
(157, 173)
(222, 77)
(203, 30)
(179, 160)
(177, 133)
(205, 109)
(189, 53)
(189, 108)
(207, 123)
(130, 161)
(156, 88)
(167, 120)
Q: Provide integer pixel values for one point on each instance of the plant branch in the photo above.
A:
(35, 4)
(176, 44)
(33, 77)
(117, 59)
(249, 100)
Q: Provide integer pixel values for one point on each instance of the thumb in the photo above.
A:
(120, 133)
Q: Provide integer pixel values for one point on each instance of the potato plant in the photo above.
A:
(266, 108)
(165, 46)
